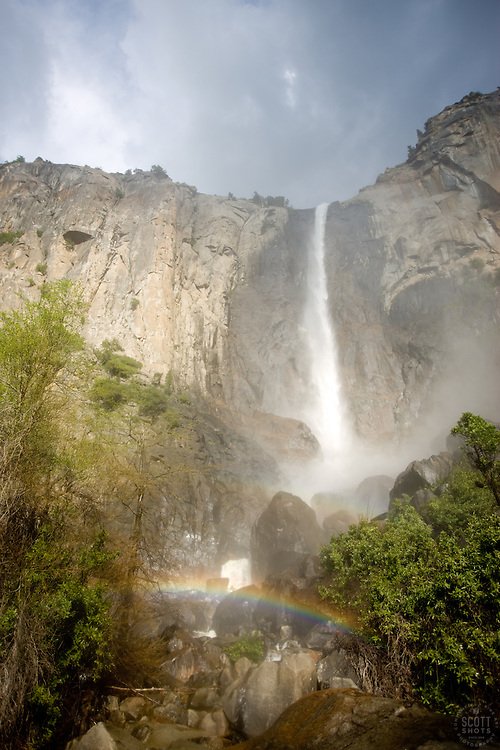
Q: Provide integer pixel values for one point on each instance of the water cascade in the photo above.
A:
(237, 572)
(325, 412)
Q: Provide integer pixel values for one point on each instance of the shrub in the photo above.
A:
(463, 497)
(8, 238)
(158, 171)
(122, 366)
(109, 393)
(41, 268)
(477, 264)
(117, 365)
(482, 446)
(153, 401)
(249, 646)
(428, 600)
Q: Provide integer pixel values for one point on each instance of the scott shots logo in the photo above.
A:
(476, 726)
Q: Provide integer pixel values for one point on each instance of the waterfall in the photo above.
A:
(237, 572)
(325, 411)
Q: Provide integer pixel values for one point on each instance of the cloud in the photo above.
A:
(306, 100)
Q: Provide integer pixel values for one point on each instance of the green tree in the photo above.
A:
(427, 603)
(53, 610)
(482, 446)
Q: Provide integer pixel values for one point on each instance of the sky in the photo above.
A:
(309, 99)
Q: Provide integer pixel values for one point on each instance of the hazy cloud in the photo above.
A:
(310, 100)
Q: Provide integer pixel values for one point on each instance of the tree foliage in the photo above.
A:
(53, 611)
(482, 443)
(425, 591)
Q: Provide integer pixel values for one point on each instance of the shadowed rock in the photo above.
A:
(287, 526)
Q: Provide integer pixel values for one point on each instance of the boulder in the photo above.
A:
(323, 636)
(104, 736)
(346, 718)
(214, 723)
(288, 525)
(256, 700)
(421, 499)
(235, 612)
(133, 707)
(288, 602)
(335, 671)
(339, 522)
(372, 495)
(422, 475)
(234, 694)
(189, 659)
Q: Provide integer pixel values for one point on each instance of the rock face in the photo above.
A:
(213, 289)
(413, 266)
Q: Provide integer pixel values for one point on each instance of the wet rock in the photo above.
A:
(372, 495)
(233, 697)
(286, 528)
(422, 475)
(174, 735)
(235, 612)
(170, 712)
(339, 522)
(233, 672)
(188, 612)
(214, 723)
(323, 636)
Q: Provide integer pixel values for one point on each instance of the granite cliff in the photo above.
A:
(213, 290)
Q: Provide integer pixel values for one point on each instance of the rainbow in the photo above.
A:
(269, 601)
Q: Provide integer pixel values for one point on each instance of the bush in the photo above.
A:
(477, 264)
(463, 497)
(71, 618)
(158, 171)
(249, 646)
(122, 366)
(109, 393)
(117, 365)
(153, 401)
(482, 447)
(427, 598)
(8, 238)
(54, 625)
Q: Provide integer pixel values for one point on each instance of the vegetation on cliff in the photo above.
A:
(425, 587)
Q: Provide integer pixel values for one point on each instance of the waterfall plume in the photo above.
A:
(325, 412)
